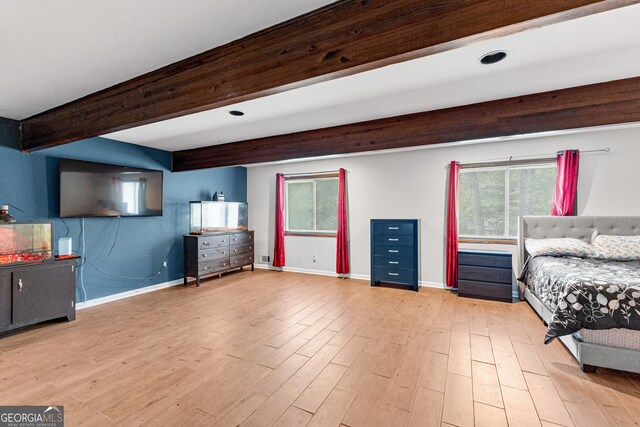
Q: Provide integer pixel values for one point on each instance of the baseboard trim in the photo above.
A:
(423, 283)
(127, 294)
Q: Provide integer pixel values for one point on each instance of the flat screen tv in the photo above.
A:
(94, 190)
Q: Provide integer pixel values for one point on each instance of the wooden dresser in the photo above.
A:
(217, 253)
(394, 252)
(485, 274)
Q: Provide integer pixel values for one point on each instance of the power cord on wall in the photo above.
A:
(84, 291)
(86, 261)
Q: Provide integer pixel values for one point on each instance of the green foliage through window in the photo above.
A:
(491, 199)
(312, 205)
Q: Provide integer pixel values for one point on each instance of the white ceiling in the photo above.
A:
(593, 49)
(52, 52)
(60, 51)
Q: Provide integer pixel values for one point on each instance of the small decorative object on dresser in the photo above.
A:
(394, 252)
(485, 274)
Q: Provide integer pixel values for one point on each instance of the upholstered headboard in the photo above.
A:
(577, 227)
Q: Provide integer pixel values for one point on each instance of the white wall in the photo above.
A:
(411, 184)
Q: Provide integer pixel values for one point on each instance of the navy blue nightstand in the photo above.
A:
(394, 252)
(485, 274)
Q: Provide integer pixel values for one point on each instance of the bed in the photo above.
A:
(573, 295)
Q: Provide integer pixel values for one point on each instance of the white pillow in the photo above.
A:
(615, 248)
(558, 247)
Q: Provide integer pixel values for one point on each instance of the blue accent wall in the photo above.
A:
(30, 182)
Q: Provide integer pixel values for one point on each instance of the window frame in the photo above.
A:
(313, 178)
(506, 167)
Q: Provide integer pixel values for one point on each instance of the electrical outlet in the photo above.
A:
(164, 264)
(315, 257)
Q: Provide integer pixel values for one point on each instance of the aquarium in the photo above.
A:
(26, 243)
(210, 217)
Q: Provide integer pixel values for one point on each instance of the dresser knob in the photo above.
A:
(205, 243)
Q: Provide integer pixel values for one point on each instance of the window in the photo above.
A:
(312, 205)
(492, 198)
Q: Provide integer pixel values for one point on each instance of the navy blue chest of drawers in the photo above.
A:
(485, 274)
(394, 252)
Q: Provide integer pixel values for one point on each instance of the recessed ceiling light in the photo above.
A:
(236, 113)
(493, 57)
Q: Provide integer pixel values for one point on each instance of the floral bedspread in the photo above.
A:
(586, 293)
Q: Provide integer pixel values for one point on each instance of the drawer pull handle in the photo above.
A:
(393, 262)
(205, 243)
(235, 250)
(393, 240)
(204, 255)
(393, 274)
(393, 228)
(393, 251)
(20, 285)
(222, 240)
(224, 263)
(223, 252)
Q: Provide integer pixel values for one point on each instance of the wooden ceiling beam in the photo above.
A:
(579, 107)
(344, 38)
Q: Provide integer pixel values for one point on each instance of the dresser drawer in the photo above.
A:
(213, 242)
(475, 289)
(394, 261)
(394, 275)
(392, 228)
(393, 239)
(240, 260)
(213, 266)
(498, 261)
(211, 254)
(485, 274)
(239, 238)
(241, 249)
(393, 250)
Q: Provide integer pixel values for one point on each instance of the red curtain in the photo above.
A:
(278, 245)
(452, 226)
(342, 255)
(564, 199)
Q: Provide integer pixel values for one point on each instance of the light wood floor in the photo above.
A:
(266, 348)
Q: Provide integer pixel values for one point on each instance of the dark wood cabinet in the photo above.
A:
(217, 253)
(394, 252)
(30, 294)
(485, 274)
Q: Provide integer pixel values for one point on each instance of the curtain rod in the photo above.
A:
(534, 157)
(311, 173)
